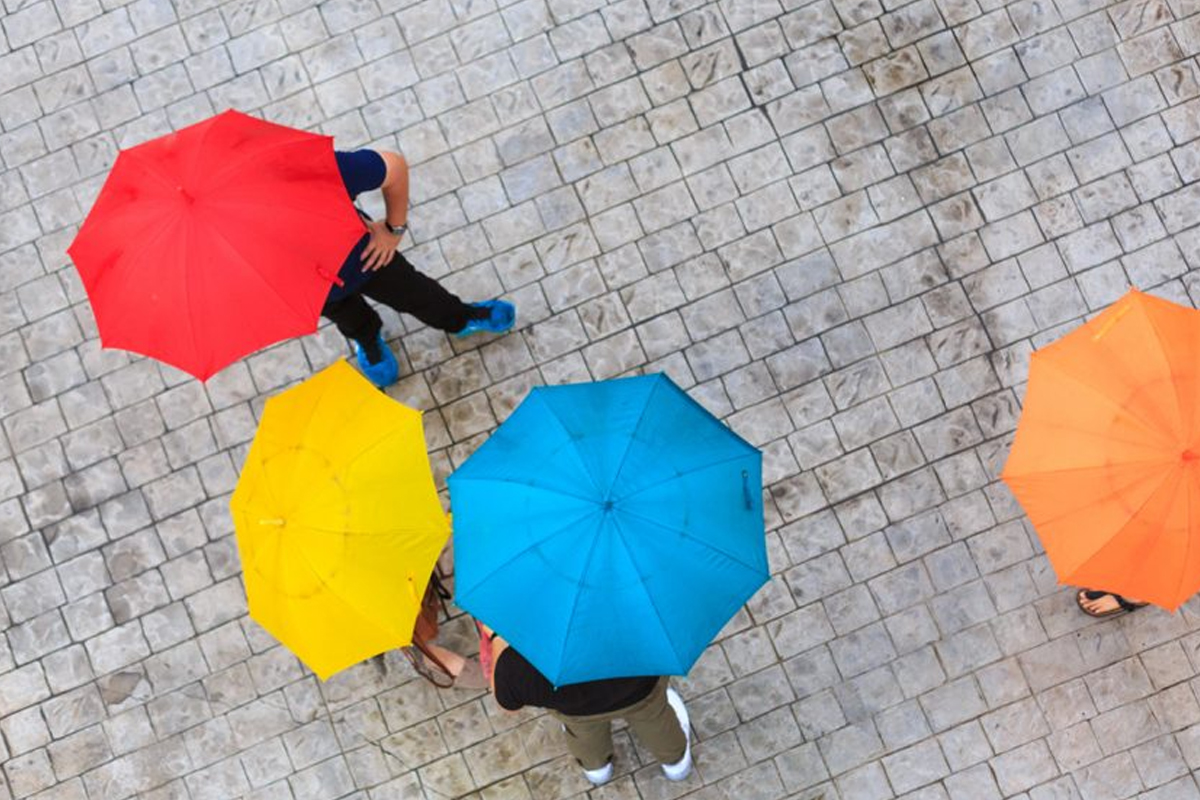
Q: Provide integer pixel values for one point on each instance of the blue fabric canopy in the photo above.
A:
(609, 529)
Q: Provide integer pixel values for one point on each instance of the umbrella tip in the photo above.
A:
(277, 522)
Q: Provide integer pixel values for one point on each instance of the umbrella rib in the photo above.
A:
(633, 434)
(1084, 468)
(355, 532)
(515, 482)
(199, 148)
(215, 230)
(574, 449)
(238, 201)
(1153, 430)
(1187, 553)
(690, 537)
(1162, 345)
(498, 567)
(649, 597)
(1133, 515)
(587, 564)
(303, 138)
(673, 477)
(1063, 514)
(334, 592)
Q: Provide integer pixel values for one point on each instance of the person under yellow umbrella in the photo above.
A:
(338, 521)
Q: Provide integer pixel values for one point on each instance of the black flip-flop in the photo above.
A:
(1123, 605)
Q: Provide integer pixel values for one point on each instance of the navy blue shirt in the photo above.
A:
(361, 171)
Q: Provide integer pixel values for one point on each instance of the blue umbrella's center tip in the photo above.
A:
(608, 504)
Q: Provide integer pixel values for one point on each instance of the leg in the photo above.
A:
(589, 740)
(654, 723)
(357, 321)
(354, 318)
(401, 287)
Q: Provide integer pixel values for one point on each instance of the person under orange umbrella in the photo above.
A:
(1106, 457)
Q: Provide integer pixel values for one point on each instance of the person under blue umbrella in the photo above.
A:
(654, 711)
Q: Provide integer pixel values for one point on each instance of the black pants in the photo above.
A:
(399, 286)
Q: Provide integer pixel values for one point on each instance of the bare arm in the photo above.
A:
(395, 188)
(383, 243)
(498, 646)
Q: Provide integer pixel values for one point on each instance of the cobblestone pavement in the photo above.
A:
(842, 224)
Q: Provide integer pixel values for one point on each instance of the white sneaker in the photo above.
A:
(683, 767)
(600, 776)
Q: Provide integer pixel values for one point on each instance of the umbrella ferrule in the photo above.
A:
(278, 522)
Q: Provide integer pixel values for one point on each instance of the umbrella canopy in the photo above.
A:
(209, 243)
(1106, 459)
(338, 521)
(609, 529)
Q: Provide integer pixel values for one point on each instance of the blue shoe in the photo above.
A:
(384, 372)
(501, 316)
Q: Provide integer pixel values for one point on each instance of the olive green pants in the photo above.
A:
(651, 719)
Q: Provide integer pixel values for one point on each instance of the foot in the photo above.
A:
(598, 777)
(377, 362)
(1097, 603)
(490, 316)
(681, 768)
(466, 672)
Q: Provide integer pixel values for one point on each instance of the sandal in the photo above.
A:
(1123, 605)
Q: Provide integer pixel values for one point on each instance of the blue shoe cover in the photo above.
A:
(382, 373)
(501, 316)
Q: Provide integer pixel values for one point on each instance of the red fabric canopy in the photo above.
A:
(212, 242)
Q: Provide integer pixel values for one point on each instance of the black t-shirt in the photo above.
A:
(518, 683)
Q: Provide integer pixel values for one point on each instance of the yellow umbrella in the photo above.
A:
(338, 521)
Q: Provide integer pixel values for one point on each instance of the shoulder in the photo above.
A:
(515, 680)
(361, 170)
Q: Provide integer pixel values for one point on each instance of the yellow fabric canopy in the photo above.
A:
(338, 521)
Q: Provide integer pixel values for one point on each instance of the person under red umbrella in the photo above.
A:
(376, 269)
(226, 236)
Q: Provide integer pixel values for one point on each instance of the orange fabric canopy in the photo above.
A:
(1106, 460)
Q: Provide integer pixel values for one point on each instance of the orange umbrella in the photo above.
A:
(1106, 459)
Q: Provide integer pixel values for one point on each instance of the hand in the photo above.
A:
(381, 246)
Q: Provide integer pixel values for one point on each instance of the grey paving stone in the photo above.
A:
(846, 225)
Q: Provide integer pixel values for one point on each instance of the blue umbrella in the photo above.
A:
(609, 529)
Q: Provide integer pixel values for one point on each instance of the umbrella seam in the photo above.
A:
(670, 478)
(1124, 525)
(464, 479)
(632, 438)
(304, 138)
(579, 591)
(1150, 320)
(1063, 470)
(662, 624)
(554, 416)
(460, 589)
(1187, 553)
(1117, 488)
(1154, 430)
(215, 230)
(692, 538)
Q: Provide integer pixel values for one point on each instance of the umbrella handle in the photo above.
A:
(746, 490)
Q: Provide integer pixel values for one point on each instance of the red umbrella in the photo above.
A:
(209, 243)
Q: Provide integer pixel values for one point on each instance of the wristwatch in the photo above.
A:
(397, 230)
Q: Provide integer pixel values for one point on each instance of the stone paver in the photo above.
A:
(842, 226)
